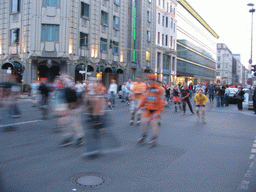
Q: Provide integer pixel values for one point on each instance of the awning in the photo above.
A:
(100, 69)
(14, 66)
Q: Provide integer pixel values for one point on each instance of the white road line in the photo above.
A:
(253, 150)
(20, 123)
(251, 157)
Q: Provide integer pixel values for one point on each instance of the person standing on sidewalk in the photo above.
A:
(34, 92)
(200, 100)
(211, 93)
(227, 92)
(153, 102)
(112, 91)
(222, 94)
(123, 92)
(240, 96)
(217, 91)
(185, 98)
(138, 89)
(254, 99)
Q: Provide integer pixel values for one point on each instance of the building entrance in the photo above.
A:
(49, 73)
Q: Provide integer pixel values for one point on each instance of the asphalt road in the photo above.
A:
(214, 156)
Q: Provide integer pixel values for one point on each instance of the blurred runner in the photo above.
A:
(154, 103)
(176, 97)
(70, 114)
(35, 92)
(138, 89)
(44, 90)
(185, 98)
(200, 100)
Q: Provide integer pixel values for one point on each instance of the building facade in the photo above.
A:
(52, 37)
(166, 39)
(224, 72)
(196, 47)
(141, 38)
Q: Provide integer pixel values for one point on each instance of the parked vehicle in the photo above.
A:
(232, 99)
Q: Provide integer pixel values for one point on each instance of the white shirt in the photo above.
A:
(79, 88)
(112, 87)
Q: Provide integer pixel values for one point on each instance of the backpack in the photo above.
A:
(70, 95)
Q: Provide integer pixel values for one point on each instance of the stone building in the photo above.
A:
(45, 38)
(166, 39)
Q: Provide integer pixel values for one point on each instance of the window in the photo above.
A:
(167, 7)
(116, 22)
(171, 8)
(226, 65)
(166, 21)
(171, 42)
(148, 36)
(166, 61)
(174, 29)
(158, 60)
(148, 55)
(148, 16)
(173, 11)
(218, 66)
(158, 38)
(159, 18)
(163, 39)
(15, 6)
(51, 3)
(163, 22)
(217, 73)
(117, 2)
(171, 22)
(115, 47)
(103, 44)
(15, 36)
(166, 40)
(173, 63)
(159, 2)
(50, 32)
(218, 58)
(174, 44)
(85, 10)
(163, 4)
(83, 40)
(104, 18)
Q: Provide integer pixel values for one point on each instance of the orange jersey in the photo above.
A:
(153, 99)
(138, 89)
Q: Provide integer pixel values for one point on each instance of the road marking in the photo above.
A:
(254, 145)
(251, 156)
(20, 123)
(253, 150)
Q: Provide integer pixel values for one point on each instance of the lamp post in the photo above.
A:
(251, 11)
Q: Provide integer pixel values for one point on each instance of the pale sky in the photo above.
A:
(231, 20)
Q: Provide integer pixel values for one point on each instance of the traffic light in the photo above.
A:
(254, 69)
(21, 70)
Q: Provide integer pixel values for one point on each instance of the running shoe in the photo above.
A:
(142, 140)
(66, 142)
(152, 143)
(131, 121)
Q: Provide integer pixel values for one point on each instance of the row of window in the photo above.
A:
(166, 61)
(15, 4)
(85, 12)
(169, 8)
(165, 22)
(165, 40)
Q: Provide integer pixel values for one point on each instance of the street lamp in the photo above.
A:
(251, 11)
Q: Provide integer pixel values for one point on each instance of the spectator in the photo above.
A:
(112, 91)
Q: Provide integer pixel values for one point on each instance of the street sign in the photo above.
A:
(250, 61)
(82, 72)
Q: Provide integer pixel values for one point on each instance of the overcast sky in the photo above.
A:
(231, 20)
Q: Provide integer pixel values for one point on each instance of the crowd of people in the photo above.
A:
(147, 100)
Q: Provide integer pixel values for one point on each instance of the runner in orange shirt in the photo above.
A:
(138, 89)
(153, 102)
